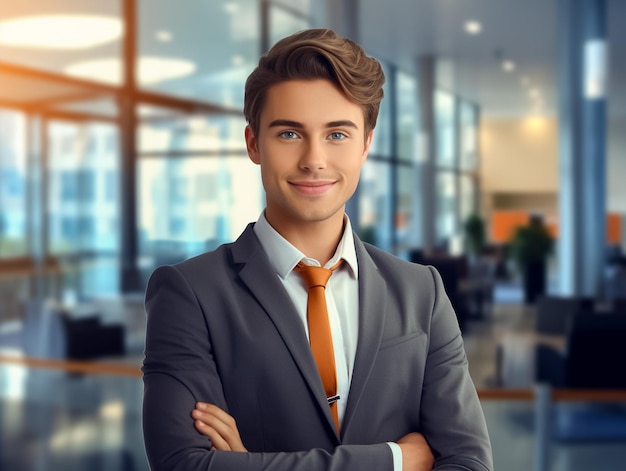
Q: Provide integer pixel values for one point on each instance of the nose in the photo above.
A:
(313, 156)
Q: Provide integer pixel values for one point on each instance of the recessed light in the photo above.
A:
(534, 93)
(150, 70)
(60, 31)
(231, 8)
(508, 66)
(164, 36)
(473, 27)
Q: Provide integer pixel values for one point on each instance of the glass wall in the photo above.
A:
(82, 205)
(383, 134)
(198, 50)
(13, 184)
(456, 166)
(408, 215)
(468, 164)
(375, 203)
(196, 188)
(188, 205)
(284, 20)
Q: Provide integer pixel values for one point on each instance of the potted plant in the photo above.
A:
(530, 248)
(474, 227)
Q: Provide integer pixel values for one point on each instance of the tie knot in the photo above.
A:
(315, 276)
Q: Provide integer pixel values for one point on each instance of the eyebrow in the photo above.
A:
(298, 125)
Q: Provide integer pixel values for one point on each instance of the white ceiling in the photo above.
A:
(400, 31)
(524, 31)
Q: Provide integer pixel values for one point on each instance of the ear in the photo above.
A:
(368, 143)
(252, 146)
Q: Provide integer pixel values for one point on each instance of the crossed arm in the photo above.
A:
(177, 349)
(221, 429)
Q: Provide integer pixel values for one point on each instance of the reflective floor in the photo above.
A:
(52, 420)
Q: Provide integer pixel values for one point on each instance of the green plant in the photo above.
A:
(475, 237)
(531, 244)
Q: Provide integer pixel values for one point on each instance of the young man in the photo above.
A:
(233, 374)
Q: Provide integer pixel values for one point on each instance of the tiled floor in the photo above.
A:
(51, 420)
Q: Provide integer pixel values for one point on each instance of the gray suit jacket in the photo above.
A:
(222, 329)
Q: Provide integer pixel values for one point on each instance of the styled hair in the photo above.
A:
(317, 54)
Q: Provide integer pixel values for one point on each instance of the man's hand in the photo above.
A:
(416, 454)
(219, 426)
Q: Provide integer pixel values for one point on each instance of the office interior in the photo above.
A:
(121, 149)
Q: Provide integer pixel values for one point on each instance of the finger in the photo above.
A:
(217, 441)
(221, 423)
(216, 418)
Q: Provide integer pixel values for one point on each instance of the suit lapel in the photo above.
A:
(274, 300)
(372, 311)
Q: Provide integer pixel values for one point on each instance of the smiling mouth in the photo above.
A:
(312, 188)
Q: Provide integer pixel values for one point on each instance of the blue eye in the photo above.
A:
(337, 136)
(288, 135)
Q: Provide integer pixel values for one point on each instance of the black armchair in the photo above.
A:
(593, 357)
(554, 313)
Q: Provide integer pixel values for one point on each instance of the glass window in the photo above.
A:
(375, 203)
(469, 136)
(446, 221)
(467, 196)
(408, 215)
(381, 145)
(284, 22)
(445, 129)
(82, 200)
(222, 195)
(204, 52)
(163, 132)
(13, 184)
(407, 107)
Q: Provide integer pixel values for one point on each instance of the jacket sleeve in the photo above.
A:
(179, 370)
(453, 423)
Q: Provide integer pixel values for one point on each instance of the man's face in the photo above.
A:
(311, 146)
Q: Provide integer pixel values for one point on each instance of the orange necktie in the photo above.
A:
(320, 336)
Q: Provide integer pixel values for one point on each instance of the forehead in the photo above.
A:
(310, 102)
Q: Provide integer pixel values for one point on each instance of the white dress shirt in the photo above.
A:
(342, 298)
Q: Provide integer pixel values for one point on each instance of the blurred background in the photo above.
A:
(499, 157)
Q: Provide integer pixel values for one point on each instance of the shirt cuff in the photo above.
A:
(396, 451)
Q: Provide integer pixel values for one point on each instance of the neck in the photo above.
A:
(317, 240)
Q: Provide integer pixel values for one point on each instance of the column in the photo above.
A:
(582, 141)
(130, 279)
(426, 70)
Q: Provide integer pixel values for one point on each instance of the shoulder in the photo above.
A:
(216, 263)
(198, 269)
(392, 266)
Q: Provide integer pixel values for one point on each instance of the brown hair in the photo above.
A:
(317, 54)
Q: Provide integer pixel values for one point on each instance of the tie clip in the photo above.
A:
(332, 399)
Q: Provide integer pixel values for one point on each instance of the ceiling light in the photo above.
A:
(150, 70)
(534, 93)
(231, 8)
(60, 31)
(536, 122)
(508, 66)
(164, 36)
(473, 27)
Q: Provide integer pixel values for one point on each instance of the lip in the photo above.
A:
(312, 188)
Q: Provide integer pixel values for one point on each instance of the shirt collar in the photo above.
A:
(284, 256)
